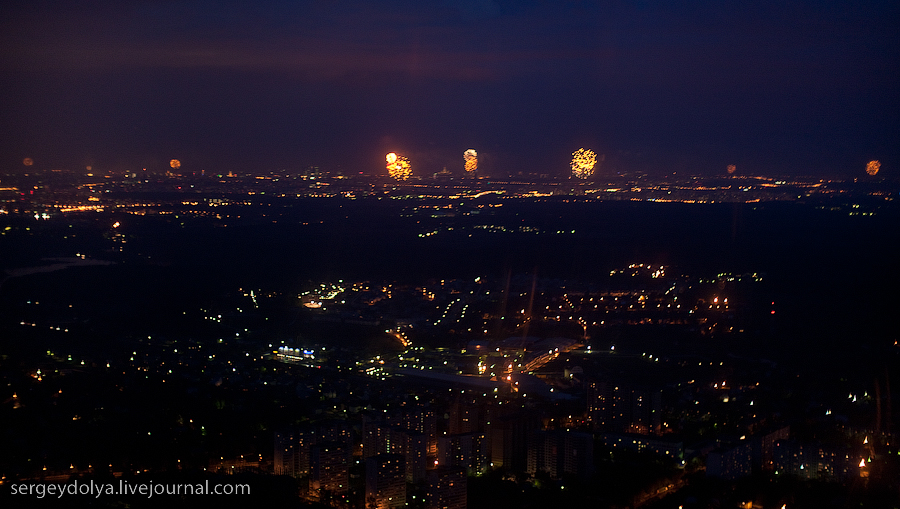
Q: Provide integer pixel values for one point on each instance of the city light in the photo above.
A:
(464, 335)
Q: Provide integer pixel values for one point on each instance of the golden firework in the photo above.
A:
(175, 163)
(583, 161)
(873, 167)
(398, 166)
(731, 168)
(471, 158)
(27, 161)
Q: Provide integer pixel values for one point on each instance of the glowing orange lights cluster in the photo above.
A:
(583, 161)
(398, 166)
(731, 169)
(471, 158)
(175, 163)
(873, 167)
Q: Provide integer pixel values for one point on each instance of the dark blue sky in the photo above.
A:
(773, 87)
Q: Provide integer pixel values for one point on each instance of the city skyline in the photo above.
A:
(325, 340)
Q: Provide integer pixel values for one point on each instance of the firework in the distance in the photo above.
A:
(27, 161)
(583, 162)
(398, 166)
(731, 168)
(471, 158)
(175, 164)
(873, 167)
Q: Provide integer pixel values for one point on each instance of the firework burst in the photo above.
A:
(398, 166)
(583, 161)
(873, 167)
(471, 158)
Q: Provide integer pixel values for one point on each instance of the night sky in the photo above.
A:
(792, 88)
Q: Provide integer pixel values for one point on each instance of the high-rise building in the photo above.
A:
(509, 440)
(416, 455)
(470, 451)
(464, 416)
(385, 481)
(815, 461)
(764, 450)
(447, 488)
(329, 468)
(543, 450)
(376, 438)
(560, 452)
(419, 420)
(732, 463)
(380, 438)
(623, 408)
(642, 443)
(292, 450)
(293, 447)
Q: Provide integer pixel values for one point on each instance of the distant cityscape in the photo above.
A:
(57, 191)
(645, 384)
